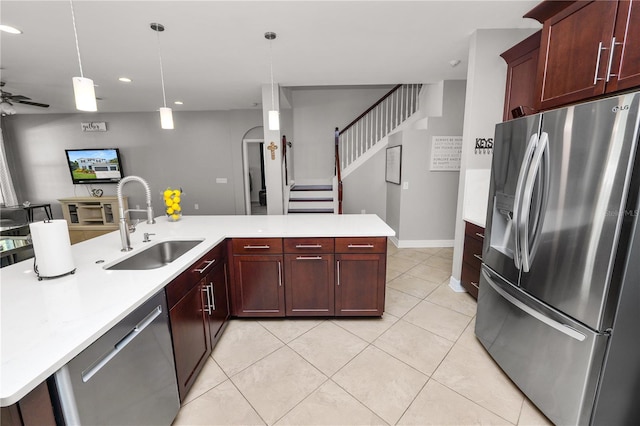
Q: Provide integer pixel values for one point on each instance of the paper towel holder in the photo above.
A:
(35, 260)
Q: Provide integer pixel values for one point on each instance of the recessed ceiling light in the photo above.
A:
(10, 30)
(178, 103)
(125, 79)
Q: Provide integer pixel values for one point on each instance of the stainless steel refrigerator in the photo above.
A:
(559, 298)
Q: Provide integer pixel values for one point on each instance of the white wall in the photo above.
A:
(427, 199)
(203, 146)
(486, 79)
(316, 113)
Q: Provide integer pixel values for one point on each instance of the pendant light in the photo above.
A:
(83, 88)
(274, 114)
(166, 115)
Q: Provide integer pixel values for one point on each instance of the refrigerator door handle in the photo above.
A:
(563, 328)
(522, 175)
(528, 248)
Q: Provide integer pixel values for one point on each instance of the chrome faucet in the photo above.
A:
(124, 228)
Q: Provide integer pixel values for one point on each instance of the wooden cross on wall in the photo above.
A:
(272, 147)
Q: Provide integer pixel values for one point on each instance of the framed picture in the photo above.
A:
(394, 164)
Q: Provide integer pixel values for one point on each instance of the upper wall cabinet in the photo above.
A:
(588, 48)
(522, 66)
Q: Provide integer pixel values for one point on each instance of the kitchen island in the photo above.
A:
(44, 324)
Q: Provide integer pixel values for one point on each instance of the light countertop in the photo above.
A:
(476, 194)
(44, 324)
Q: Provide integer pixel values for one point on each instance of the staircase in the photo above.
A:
(354, 144)
(311, 199)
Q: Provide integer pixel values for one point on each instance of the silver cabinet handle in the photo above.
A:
(613, 46)
(208, 262)
(308, 245)
(309, 258)
(474, 284)
(479, 235)
(264, 247)
(207, 306)
(135, 331)
(279, 274)
(360, 246)
(213, 298)
(338, 272)
(595, 75)
(477, 256)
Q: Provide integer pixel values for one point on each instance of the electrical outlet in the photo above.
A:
(363, 211)
(196, 207)
(405, 185)
(221, 180)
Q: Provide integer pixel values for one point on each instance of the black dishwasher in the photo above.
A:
(126, 377)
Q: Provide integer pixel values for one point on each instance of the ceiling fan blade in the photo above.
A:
(32, 103)
(19, 98)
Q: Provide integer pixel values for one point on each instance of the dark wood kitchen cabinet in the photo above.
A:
(218, 300)
(257, 281)
(309, 276)
(34, 409)
(198, 309)
(472, 258)
(588, 48)
(360, 276)
(522, 66)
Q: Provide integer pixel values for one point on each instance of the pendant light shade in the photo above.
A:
(274, 114)
(85, 94)
(166, 118)
(166, 115)
(83, 88)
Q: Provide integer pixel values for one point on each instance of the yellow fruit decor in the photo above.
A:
(172, 203)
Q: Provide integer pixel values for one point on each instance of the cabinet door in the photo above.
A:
(522, 65)
(190, 333)
(259, 289)
(360, 281)
(625, 72)
(574, 53)
(309, 285)
(219, 303)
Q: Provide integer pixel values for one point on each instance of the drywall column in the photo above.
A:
(486, 80)
(272, 152)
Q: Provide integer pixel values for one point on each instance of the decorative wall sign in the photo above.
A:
(484, 146)
(445, 153)
(394, 164)
(94, 126)
(272, 147)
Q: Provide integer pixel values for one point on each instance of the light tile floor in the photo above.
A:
(420, 364)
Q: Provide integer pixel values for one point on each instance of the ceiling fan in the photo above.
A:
(7, 100)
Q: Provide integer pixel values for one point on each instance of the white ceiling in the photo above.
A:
(215, 55)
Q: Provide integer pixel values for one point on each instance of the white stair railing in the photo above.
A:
(377, 122)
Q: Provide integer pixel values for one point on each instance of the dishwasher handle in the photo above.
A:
(135, 331)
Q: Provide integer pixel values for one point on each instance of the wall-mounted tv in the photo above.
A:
(101, 165)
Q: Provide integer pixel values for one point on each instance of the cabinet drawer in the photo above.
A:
(184, 282)
(308, 245)
(470, 279)
(472, 253)
(257, 245)
(474, 231)
(361, 245)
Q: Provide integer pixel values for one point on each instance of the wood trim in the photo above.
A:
(547, 9)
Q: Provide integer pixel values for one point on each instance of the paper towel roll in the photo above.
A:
(52, 248)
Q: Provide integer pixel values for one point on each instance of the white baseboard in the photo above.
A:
(456, 285)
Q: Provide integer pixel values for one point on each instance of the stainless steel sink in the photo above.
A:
(156, 256)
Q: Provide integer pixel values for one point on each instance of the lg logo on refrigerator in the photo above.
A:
(618, 108)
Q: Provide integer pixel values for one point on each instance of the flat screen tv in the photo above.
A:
(101, 165)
